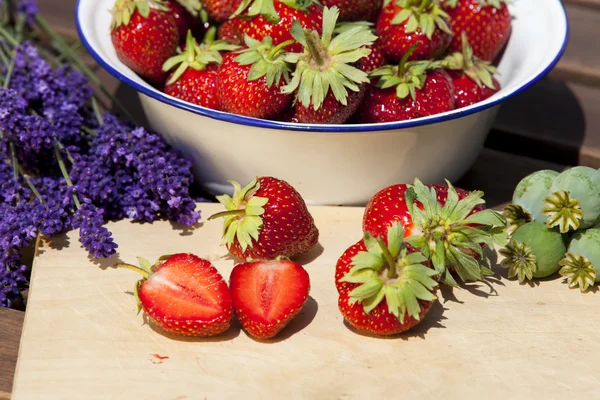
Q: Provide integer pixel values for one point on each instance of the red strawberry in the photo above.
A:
(448, 225)
(356, 10)
(184, 295)
(256, 77)
(221, 10)
(144, 34)
(183, 18)
(487, 22)
(405, 23)
(274, 18)
(231, 31)
(377, 57)
(384, 288)
(267, 295)
(195, 79)
(266, 219)
(331, 61)
(472, 77)
(411, 90)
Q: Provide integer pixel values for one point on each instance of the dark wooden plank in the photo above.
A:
(595, 4)
(11, 323)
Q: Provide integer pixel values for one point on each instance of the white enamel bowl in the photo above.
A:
(337, 164)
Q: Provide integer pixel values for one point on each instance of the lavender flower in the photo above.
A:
(95, 238)
(12, 280)
(28, 8)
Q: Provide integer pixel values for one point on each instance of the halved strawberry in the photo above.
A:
(267, 295)
(447, 225)
(183, 294)
(384, 288)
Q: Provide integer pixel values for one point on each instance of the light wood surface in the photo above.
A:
(82, 338)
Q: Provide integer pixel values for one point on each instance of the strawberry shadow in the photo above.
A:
(310, 255)
(433, 320)
(301, 321)
(230, 334)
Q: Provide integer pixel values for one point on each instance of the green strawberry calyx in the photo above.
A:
(343, 26)
(266, 60)
(424, 14)
(516, 216)
(266, 8)
(326, 63)
(483, 3)
(578, 270)
(197, 56)
(390, 273)
(146, 269)
(450, 237)
(406, 77)
(123, 10)
(563, 211)
(481, 72)
(243, 220)
(194, 7)
(520, 260)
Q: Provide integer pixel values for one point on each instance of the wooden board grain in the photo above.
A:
(82, 338)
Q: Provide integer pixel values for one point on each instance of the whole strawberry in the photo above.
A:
(274, 18)
(376, 59)
(231, 31)
(487, 22)
(195, 78)
(266, 219)
(221, 10)
(356, 10)
(328, 84)
(473, 78)
(249, 83)
(188, 15)
(267, 295)
(447, 225)
(384, 288)
(405, 23)
(144, 34)
(411, 90)
(184, 295)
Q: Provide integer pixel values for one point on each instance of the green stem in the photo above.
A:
(11, 67)
(21, 19)
(71, 55)
(391, 273)
(278, 48)
(63, 148)
(30, 184)
(15, 164)
(145, 273)
(97, 111)
(9, 38)
(227, 214)
(65, 173)
(404, 60)
(3, 56)
(314, 46)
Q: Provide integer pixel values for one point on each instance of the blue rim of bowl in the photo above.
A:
(260, 123)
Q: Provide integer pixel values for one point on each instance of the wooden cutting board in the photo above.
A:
(82, 338)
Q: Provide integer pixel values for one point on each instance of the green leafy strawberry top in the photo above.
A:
(424, 14)
(343, 26)
(449, 236)
(194, 7)
(124, 9)
(481, 72)
(243, 216)
(483, 3)
(197, 56)
(326, 63)
(266, 60)
(406, 77)
(266, 8)
(390, 273)
(145, 269)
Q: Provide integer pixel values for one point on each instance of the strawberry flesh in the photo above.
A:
(187, 296)
(267, 295)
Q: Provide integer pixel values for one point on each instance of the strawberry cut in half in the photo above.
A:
(184, 295)
(405, 23)
(410, 90)
(195, 76)
(487, 22)
(267, 295)
(384, 287)
(256, 76)
(266, 219)
(145, 34)
(328, 84)
(449, 226)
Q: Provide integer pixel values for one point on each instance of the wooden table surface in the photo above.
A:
(553, 124)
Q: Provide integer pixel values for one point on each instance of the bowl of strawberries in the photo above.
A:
(340, 98)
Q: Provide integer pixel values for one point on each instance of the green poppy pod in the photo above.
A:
(529, 199)
(574, 200)
(581, 265)
(534, 251)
